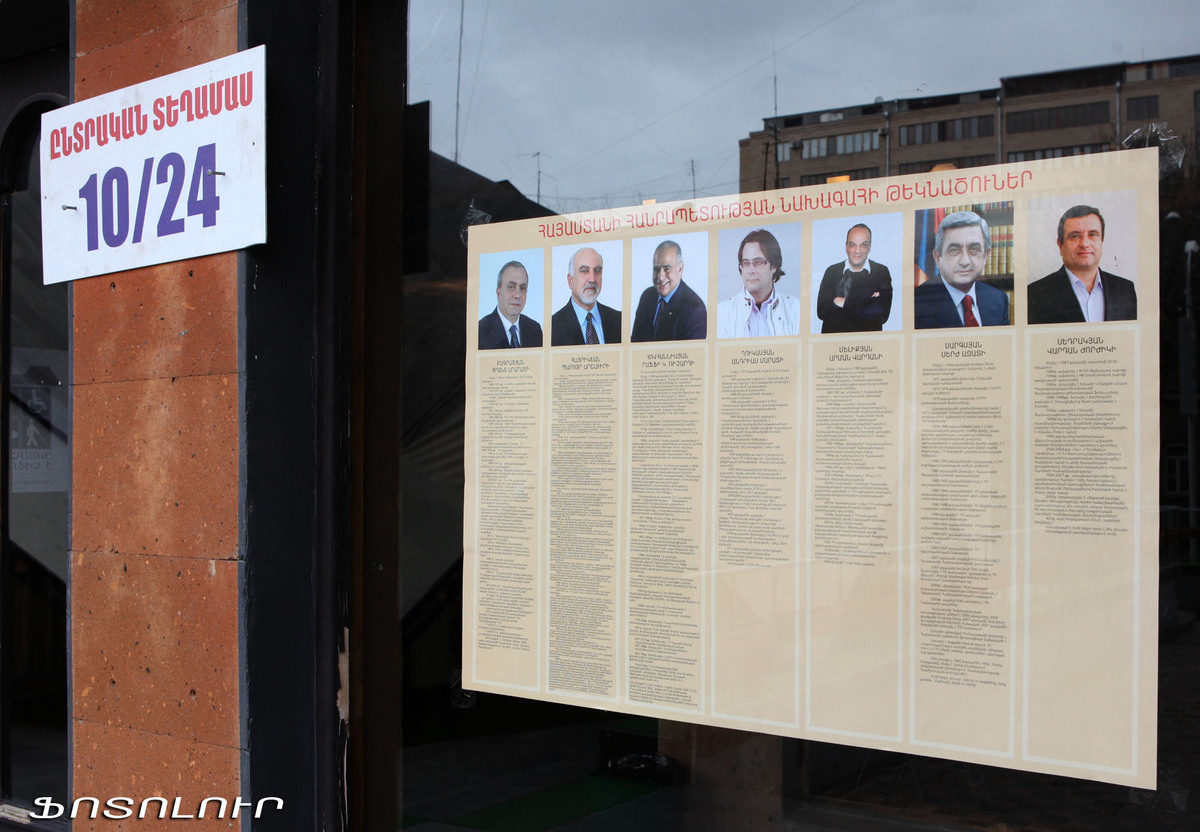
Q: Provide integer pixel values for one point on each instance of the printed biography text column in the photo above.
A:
(963, 566)
(1083, 548)
(666, 527)
(757, 615)
(510, 401)
(582, 573)
(853, 589)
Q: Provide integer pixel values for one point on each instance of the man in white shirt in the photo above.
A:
(759, 311)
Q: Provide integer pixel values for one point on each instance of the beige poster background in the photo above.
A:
(914, 540)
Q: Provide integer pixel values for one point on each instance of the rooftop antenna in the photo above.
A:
(538, 156)
(458, 85)
(775, 121)
(775, 77)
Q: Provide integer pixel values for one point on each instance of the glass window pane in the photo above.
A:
(471, 761)
(36, 547)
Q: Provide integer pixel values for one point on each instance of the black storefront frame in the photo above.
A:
(16, 138)
(380, 146)
(294, 360)
(41, 94)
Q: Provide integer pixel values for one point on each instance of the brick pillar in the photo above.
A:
(155, 497)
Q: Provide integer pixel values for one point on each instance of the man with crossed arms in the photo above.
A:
(855, 294)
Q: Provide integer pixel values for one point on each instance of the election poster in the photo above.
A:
(872, 463)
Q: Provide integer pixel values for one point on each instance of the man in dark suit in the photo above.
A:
(669, 310)
(506, 326)
(1080, 292)
(584, 320)
(957, 298)
(856, 294)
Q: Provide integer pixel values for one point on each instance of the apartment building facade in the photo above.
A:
(1040, 116)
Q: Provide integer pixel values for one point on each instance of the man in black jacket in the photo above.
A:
(584, 320)
(506, 326)
(1080, 292)
(669, 310)
(856, 293)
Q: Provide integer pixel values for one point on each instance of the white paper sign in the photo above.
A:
(164, 170)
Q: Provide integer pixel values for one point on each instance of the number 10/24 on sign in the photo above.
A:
(107, 203)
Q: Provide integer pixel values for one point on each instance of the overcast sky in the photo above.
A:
(621, 97)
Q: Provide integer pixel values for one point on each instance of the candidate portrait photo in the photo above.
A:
(511, 299)
(586, 287)
(669, 276)
(1082, 258)
(855, 274)
(758, 281)
(963, 270)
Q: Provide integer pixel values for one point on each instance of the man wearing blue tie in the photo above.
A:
(669, 310)
(506, 327)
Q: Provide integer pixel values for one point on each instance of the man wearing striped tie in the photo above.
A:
(584, 319)
(506, 327)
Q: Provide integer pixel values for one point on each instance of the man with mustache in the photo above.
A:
(584, 320)
(956, 297)
(669, 310)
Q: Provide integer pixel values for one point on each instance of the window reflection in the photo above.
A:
(477, 760)
(34, 564)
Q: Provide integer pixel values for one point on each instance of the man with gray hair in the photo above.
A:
(669, 310)
(957, 298)
(1080, 292)
(506, 326)
(584, 320)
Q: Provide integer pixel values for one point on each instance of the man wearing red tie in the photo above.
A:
(956, 297)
